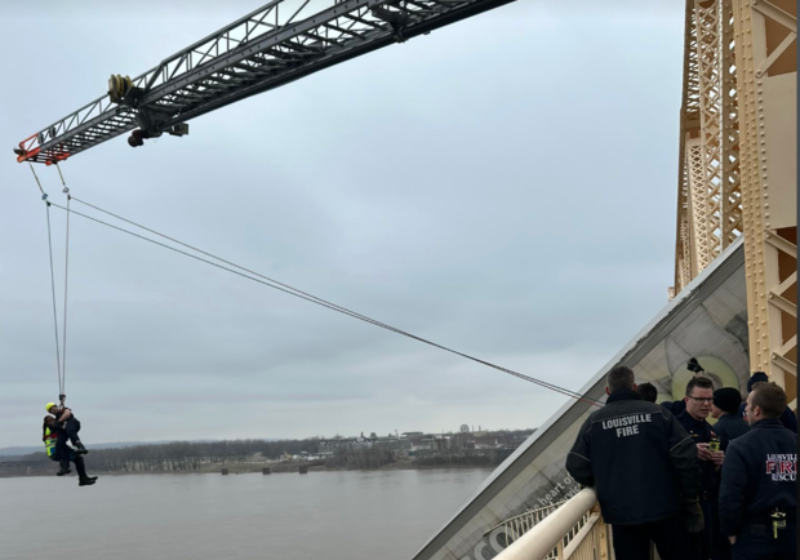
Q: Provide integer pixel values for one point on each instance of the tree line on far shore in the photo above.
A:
(195, 456)
(178, 456)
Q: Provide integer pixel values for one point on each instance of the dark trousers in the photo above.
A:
(68, 432)
(80, 466)
(757, 542)
(632, 542)
(720, 545)
(711, 543)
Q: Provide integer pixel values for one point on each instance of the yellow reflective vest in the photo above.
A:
(50, 442)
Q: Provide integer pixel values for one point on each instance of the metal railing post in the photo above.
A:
(603, 536)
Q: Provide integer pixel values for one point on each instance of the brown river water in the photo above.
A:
(331, 515)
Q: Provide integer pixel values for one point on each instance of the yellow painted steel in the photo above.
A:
(738, 166)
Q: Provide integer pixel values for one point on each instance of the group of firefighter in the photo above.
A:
(664, 475)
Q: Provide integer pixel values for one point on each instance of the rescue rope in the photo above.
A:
(52, 279)
(264, 280)
(55, 312)
(66, 288)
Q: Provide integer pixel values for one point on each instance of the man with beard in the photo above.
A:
(788, 418)
(758, 496)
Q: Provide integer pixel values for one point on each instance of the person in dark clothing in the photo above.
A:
(675, 407)
(648, 392)
(67, 427)
(678, 407)
(758, 494)
(725, 409)
(699, 398)
(50, 437)
(643, 465)
(788, 418)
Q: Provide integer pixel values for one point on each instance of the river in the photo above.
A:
(331, 515)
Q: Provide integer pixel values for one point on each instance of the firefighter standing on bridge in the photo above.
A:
(699, 398)
(758, 494)
(644, 467)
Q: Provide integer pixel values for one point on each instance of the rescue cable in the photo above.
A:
(52, 281)
(269, 282)
(66, 285)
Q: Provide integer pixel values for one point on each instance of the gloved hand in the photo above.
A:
(693, 515)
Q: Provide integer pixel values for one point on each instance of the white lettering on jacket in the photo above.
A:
(625, 426)
(782, 468)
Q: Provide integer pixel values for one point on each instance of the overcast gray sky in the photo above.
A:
(504, 186)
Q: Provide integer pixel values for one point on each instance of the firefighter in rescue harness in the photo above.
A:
(66, 428)
(50, 438)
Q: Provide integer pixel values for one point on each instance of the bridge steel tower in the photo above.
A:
(737, 171)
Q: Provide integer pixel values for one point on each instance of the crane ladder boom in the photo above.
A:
(267, 48)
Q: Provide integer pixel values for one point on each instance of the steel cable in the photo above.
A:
(261, 279)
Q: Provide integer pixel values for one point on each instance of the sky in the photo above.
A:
(504, 186)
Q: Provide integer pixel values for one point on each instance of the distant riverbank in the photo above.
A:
(401, 464)
(409, 451)
(20, 467)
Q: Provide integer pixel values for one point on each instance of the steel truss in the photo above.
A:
(274, 45)
(738, 169)
(709, 204)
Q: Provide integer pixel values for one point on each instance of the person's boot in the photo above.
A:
(88, 481)
(64, 469)
(80, 449)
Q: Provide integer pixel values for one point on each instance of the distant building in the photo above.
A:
(412, 435)
(330, 446)
(487, 443)
(437, 442)
(392, 443)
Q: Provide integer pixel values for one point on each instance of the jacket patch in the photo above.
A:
(782, 468)
(626, 425)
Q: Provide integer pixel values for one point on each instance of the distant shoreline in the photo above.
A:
(236, 468)
(409, 451)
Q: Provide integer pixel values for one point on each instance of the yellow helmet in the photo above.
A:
(49, 406)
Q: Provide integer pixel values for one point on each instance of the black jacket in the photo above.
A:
(639, 459)
(700, 432)
(61, 426)
(758, 475)
(675, 407)
(729, 427)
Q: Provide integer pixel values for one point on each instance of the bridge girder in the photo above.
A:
(737, 164)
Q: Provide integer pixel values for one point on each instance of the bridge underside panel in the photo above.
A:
(708, 320)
